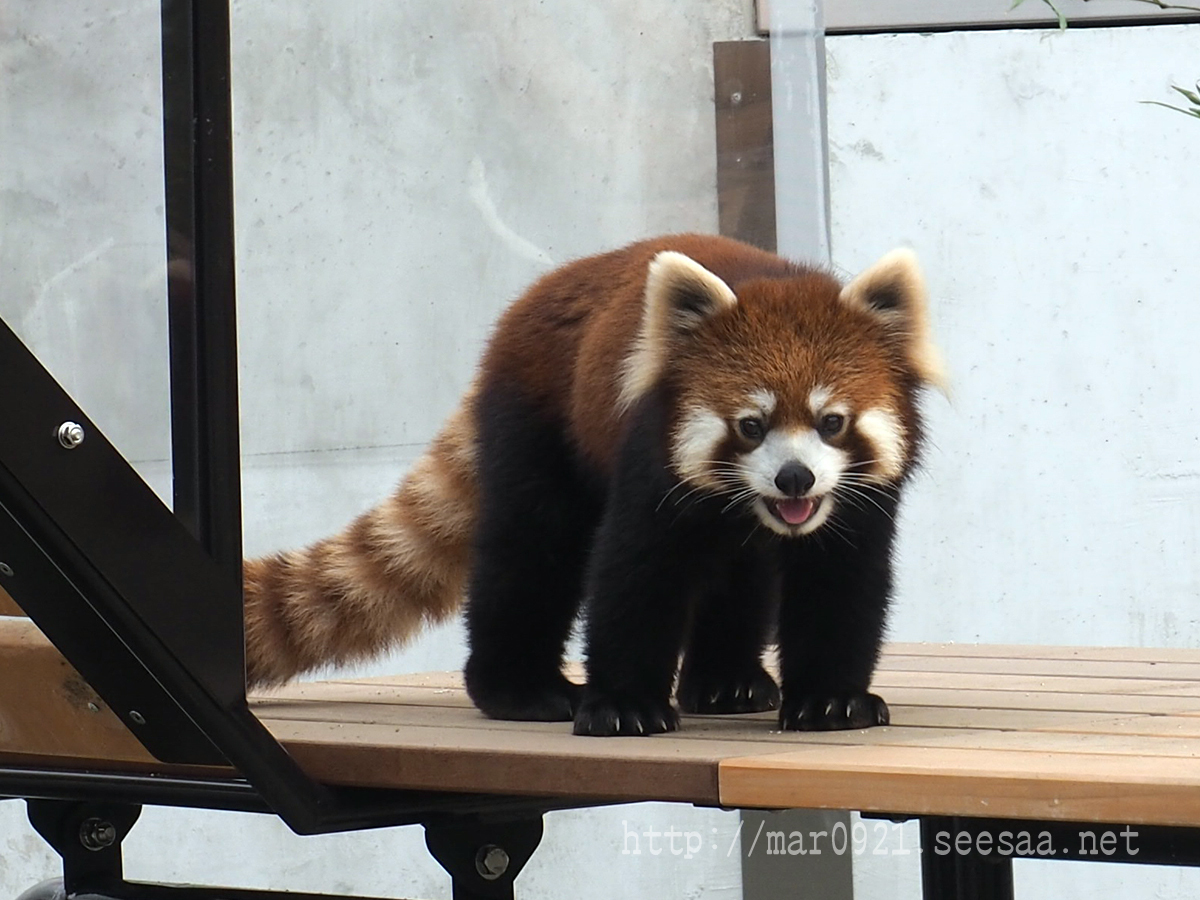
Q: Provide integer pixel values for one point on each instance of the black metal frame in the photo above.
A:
(483, 854)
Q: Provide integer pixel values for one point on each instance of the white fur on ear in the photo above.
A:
(680, 295)
(893, 289)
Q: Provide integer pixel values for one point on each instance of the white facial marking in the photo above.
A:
(764, 400)
(762, 404)
(818, 398)
(695, 444)
(805, 446)
(885, 433)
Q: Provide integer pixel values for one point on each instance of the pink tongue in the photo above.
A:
(795, 512)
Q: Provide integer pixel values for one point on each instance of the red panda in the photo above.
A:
(689, 442)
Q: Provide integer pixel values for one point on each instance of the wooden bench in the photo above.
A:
(982, 737)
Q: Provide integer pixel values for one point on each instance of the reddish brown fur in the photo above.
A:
(395, 568)
(582, 319)
(756, 347)
(562, 345)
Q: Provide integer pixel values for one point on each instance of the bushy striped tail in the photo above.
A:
(395, 569)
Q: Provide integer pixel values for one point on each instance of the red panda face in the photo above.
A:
(794, 396)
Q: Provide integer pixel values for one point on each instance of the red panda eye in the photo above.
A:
(751, 428)
(831, 424)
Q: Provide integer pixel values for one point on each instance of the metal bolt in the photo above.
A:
(491, 862)
(736, 98)
(70, 434)
(137, 717)
(96, 834)
(6, 569)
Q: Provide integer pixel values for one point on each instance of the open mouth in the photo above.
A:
(792, 511)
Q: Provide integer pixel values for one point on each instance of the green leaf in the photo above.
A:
(1191, 95)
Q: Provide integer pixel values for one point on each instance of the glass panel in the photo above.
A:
(82, 259)
(405, 171)
(1049, 205)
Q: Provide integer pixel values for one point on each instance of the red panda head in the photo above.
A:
(793, 395)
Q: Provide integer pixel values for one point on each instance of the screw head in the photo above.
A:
(491, 862)
(96, 834)
(70, 434)
(6, 570)
(137, 717)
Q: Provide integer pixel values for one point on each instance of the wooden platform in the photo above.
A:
(1099, 734)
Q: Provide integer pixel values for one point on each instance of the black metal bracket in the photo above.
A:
(483, 855)
(88, 837)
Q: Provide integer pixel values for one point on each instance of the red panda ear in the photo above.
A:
(893, 290)
(681, 293)
(680, 296)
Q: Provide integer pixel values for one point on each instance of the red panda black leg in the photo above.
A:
(647, 561)
(638, 591)
(722, 665)
(832, 617)
(531, 542)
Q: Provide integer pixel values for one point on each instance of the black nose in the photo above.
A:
(794, 479)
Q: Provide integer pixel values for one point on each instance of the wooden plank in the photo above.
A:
(1067, 721)
(751, 736)
(532, 760)
(745, 141)
(928, 781)
(1046, 684)
(1177, 671)
(1038, 651)
(354, 692)
(1116, 704)
(8, 606)
(47, 709)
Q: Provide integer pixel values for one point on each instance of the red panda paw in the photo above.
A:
(833, 712)
(549, 699)
(755, 692)
(605, 716)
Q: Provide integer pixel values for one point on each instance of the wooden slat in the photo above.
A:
(1039, 651)
(47, 709)
(745, 141)
(538, 760)
(1044, 684)
(1066, 721)
(922, 780)
(987, 665)
(8, 606)
(759, 730)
